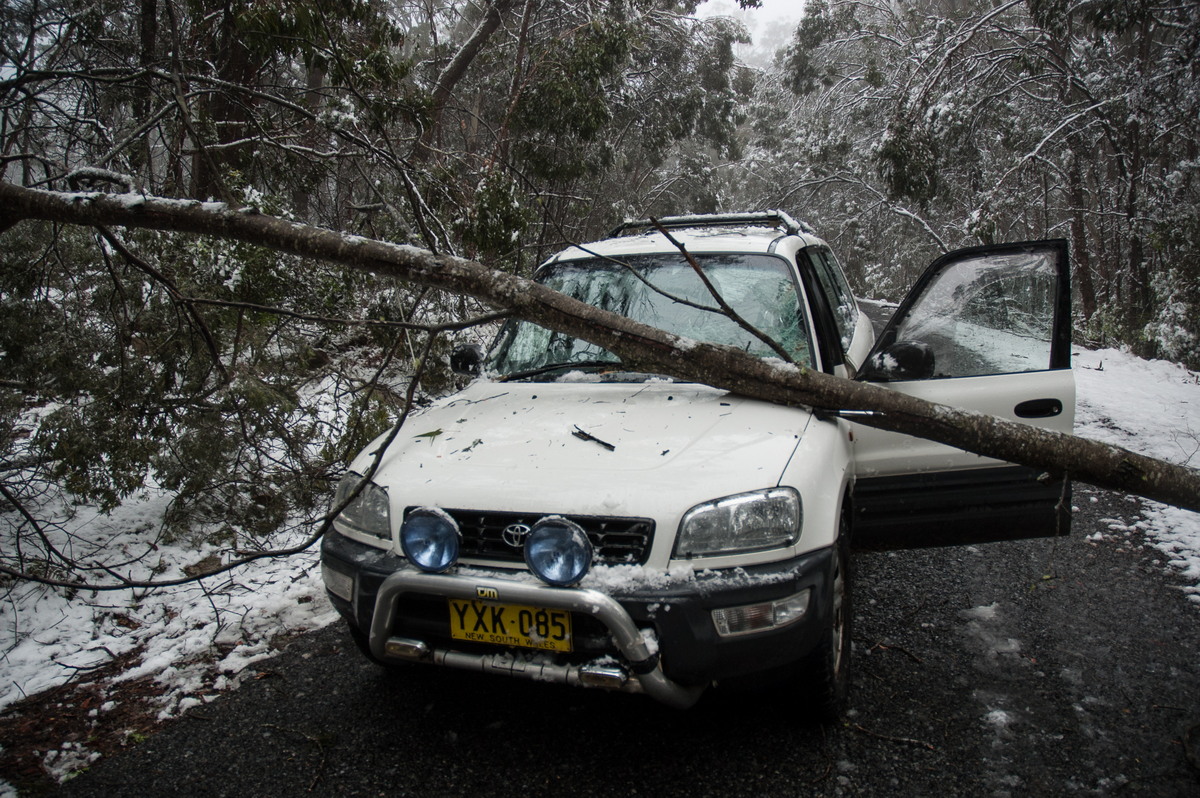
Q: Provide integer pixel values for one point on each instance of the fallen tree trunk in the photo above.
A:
(640, 347)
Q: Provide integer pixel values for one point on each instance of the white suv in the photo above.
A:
(566, 519)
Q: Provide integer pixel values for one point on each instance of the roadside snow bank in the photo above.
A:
(180, 636)
(1151, 407)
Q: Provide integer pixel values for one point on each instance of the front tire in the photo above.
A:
(825, 673)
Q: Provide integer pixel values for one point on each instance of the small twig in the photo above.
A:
(889, 647)
(1190, 748)
(824, 774)
(80, 668)
(890, 738)
(828, 760)
(142, 265)
(216, 611)
(93, 175)
(12, 499)
(400, 325)
(587, 436)
(312, 738)
(726, 308)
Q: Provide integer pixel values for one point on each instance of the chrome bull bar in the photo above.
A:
(643, 674)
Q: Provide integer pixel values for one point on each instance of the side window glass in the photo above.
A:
(833, 281)
(990, 314)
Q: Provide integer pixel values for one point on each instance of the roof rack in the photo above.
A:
(772, 218)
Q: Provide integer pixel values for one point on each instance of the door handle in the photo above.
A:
(1038, 408)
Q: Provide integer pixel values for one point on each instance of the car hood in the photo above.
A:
(641, 449)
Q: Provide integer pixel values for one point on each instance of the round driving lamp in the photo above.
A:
(558, 552)
(430, 540)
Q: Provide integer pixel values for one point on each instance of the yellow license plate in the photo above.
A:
(510, 625)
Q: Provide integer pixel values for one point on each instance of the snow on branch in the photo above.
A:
(643, 347)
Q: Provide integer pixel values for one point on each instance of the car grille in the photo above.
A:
(616, 541)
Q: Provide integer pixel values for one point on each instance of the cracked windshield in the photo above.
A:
(664, 291)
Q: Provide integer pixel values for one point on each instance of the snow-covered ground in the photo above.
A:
(51, 637)
(198, 640)
(1150, 407)
(193, 641)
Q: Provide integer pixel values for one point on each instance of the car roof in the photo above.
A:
(768, 232)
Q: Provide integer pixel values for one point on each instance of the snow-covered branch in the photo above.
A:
(644, 348)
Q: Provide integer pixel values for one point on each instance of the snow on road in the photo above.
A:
(198, 640)
(1150, 407)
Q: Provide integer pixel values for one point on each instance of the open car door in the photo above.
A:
(985, 329)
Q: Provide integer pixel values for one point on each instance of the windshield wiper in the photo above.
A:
(572, 364)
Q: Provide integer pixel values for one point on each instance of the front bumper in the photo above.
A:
(655, 640)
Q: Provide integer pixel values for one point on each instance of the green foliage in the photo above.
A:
(499, 215)
(100, 451)
(1174, 332)
(559, 117)
(35, 341)
(821, 21)
(367, 418)
(278, 29)
(907, 161)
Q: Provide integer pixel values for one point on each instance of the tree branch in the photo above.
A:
(457, 68)
(643, 347)
(124, 583)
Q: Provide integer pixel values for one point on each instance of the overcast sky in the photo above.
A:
(770, 26)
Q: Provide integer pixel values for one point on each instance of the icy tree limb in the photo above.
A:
(639, 346)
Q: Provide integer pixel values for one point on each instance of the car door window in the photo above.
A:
(841, 300)
(989, 314)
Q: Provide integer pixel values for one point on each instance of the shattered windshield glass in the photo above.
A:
(664, 291)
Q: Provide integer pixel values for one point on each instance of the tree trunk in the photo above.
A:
(641, 347)
(147, 53)
(1079, 244)
(228, 112)
(455, 71)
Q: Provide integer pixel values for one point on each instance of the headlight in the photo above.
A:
(764, 519)
(558, 551)
(369, 513)
(430, 539)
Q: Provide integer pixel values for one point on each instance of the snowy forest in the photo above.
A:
(175, 406)
(238, 381)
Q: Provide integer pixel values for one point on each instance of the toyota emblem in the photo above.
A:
(514, 534)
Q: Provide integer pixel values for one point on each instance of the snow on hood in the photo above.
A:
(594, 448)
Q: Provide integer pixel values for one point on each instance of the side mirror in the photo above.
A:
(467, 360)
(903, 360)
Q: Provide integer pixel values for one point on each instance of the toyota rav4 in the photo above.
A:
(570, 520)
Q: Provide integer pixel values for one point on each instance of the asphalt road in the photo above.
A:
(1065, 667)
